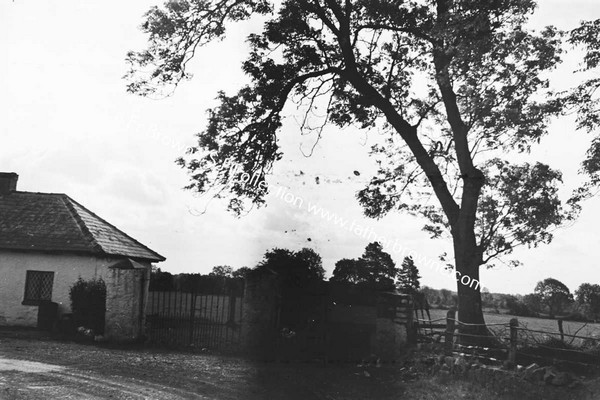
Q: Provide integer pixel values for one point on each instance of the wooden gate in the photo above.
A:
(426, 329)
(194, 319)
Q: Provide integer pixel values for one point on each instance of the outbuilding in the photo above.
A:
(47, 242)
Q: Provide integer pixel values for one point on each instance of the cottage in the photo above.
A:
(48, 241)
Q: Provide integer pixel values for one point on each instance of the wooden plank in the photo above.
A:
(430, 326)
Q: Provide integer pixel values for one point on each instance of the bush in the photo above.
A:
(161, 281)
(518, 308)
(577, 317)
(88, 304)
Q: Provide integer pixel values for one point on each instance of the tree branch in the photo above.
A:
(406, 130)
(416, 33)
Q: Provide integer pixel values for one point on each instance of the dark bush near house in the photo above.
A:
(88, 303)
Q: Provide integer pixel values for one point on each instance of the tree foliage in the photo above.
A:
(588, 295)
(351, 271)
(175, 32)
(524, 306)
(226, 271)
(584, 101)
(519, 204)
(241, 272)
(516, 307)
(207, 283)
(161, 281)
(554, 294)
(374, 269)
(294, 269)
(408, 276)
(449, 82)
(222, 270)
(533, 302)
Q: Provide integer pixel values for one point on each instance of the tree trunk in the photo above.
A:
(470, 313)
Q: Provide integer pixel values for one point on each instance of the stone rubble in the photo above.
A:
(459, 365)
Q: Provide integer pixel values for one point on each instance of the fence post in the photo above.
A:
(450, 323)
(192, 314)
(560, 329)
(512, 351)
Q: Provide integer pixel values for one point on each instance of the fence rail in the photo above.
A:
(512, 343)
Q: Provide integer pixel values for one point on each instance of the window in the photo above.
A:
(38, 287)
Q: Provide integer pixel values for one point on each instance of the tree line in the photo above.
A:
(549, 299)
(374, 269)
(553, 299)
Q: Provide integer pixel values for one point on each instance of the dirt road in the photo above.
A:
(21, 379)
(33, 366)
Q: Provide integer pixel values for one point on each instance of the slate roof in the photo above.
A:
(56, 222)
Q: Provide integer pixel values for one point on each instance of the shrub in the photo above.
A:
(161, 281)
(518, 308)
(88, 303)
(577, 317)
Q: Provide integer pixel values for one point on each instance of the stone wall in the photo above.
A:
(394, 319)
(389, 340)
(126, 299)
(259, 312)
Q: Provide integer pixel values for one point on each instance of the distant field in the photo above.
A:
(541, 324)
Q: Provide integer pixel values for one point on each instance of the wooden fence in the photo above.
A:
(511, 343)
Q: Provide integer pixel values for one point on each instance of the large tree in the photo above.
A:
(554, 294)
(408, 276)
(588, 295)
(297, 273)
(455, 85)
(350, 270)
(374, 269)
(297, 269)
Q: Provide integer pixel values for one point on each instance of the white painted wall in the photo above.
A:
(124, 288)
(67, 269)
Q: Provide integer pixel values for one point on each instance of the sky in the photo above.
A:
(68, 125)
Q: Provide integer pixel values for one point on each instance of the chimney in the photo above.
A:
(8, 182)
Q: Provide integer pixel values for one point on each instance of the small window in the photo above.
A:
(38, 287)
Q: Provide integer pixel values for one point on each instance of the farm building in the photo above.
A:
(47, 242)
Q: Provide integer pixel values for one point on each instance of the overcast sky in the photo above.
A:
(68, 126)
